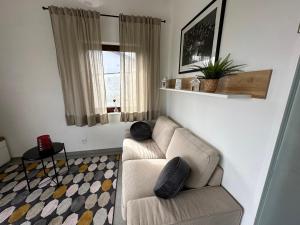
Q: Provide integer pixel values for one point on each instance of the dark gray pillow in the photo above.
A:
(140, 131)
(171, 179)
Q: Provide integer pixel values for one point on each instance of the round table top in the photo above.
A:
(34, 154)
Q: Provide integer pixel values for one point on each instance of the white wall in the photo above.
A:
(31, 101)
(262, 34)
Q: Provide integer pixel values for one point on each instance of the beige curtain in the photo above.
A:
(77, 39)
(140, 57)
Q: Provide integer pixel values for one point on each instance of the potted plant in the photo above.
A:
(212, 72)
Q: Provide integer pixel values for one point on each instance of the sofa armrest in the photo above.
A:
(216, 177)
(209, 206)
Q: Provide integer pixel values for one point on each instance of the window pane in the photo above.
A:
(112, 84)
(111, 64)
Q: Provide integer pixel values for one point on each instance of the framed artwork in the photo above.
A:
(201, 37)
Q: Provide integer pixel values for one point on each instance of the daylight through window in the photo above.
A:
(111, 64)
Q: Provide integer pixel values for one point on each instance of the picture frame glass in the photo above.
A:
(200, 39)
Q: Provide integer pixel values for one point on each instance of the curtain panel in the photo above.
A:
(76, 35)
(140, 67)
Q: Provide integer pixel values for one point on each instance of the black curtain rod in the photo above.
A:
(107, 15)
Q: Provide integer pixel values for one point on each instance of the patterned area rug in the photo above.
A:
(86, 194)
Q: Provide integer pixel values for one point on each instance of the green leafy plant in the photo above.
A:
(219, 68)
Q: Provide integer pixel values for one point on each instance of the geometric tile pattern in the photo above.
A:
(86, 195)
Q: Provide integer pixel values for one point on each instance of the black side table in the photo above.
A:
(33, 154)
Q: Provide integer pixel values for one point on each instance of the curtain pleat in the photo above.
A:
(77, 38)
(140, 67)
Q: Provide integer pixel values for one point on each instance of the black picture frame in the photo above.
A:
(213, 13)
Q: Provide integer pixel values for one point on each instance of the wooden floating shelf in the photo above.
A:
(253, 84)
(218, 95)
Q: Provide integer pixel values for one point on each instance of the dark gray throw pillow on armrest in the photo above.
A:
(140, 131)
(171, 179)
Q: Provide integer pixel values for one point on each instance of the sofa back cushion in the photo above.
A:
(163, 131)
(201, 157)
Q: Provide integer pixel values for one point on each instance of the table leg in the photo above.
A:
(24, 168)
(66, 158)
(43, 167)
(54, 167)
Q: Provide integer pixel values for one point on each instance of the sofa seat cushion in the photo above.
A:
(201, 157)
(163, 131)
(209, 206)
(139, 178)
(146, 149)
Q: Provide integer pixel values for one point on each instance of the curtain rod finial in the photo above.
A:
(45, 8)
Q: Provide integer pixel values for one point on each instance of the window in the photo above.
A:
(111, 64)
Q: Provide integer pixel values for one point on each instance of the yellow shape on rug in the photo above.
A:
(83, 168)
(19, 213)
(106, 185)
(86, 218)
(59, 192)
(31, 166)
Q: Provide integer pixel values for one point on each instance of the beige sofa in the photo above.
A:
(205, 202)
